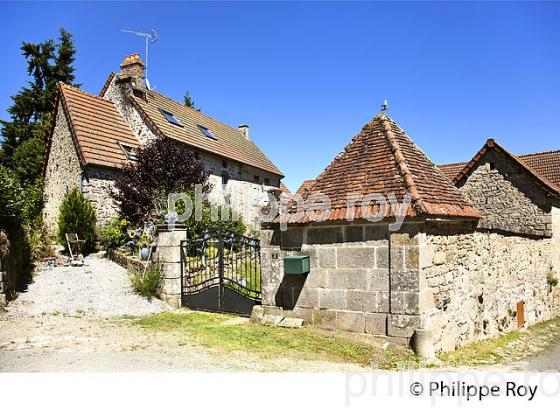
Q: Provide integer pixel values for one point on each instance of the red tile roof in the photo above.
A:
(543, 167)
(229, 142)
(546, 164)
(304, 188)
(96, 126)
(382, 159)
(284, 188)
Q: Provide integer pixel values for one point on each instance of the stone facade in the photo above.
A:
(508, 198)
(476, 280)
(363, 278)
(450, 278)
(246, 186)
(63, 171)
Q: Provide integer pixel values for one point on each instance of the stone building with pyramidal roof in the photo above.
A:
(454, 272)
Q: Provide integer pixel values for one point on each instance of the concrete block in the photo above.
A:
(351, 321)
(303, 313)
(334, 299)
(378, 279)
(257, 314)
(412, 257)
(377, 233)
(405, 280)
(405, 303)
(271, 320)
(397, 258)
(325, 319)
(273, 310)
(354, 257)
(346, 279)
(291, 322)
(326, 257)
(292, 239)
(326, 235)
(354, 234)
(308, 298)
(382, 257)
(376, 324)
(402, 325)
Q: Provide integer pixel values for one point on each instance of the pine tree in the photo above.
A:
(189, 102)
(47, 63)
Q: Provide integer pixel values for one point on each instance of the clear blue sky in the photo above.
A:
(307, 76)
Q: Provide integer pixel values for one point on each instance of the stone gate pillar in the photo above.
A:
(168, 252)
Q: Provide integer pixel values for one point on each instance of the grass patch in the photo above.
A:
(210, 330)
(510, 347)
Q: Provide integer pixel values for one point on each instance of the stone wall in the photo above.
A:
(97, 185)
(349, 286)
(507, 196)
(63, 171)
(476, 279)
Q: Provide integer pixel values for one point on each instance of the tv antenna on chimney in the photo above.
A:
(150, 38)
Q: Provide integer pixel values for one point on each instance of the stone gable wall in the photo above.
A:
(62, 172)
(476, 279)
(507, 197)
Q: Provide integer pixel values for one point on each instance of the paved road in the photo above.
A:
(549, 360)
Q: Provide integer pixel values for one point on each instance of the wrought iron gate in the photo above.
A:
(221, 272)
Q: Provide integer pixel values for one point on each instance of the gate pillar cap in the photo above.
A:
(171, 228)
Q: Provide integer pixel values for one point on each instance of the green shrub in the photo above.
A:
(10, 197)
(148, 284)
(112, 235)
(76, 215)
(32, 204)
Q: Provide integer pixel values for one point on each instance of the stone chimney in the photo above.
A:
(244, 129)
(133, 65)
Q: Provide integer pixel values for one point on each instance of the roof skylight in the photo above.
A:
(171, 118)
(129, 152)
(207, 132)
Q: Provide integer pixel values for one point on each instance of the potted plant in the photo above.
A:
(143, 245)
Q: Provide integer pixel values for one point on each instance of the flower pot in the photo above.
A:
(144, 254)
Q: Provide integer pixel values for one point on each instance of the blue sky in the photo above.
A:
(307, 76)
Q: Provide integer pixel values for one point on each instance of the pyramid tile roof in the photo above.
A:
(382, 159)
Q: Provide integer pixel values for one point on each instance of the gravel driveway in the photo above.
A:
(101, 288)
(75, 319)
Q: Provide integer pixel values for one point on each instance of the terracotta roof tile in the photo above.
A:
(304, 188)
(383, 159)
(229, 142)
(548, 163)
(97, 127)
(545, 164)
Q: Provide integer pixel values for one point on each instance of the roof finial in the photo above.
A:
(384, 106)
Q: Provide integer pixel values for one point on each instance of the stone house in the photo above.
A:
(93, 136)
(455, 269)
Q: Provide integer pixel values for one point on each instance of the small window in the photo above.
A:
(196, 155)
(256, 178)
(224, 164)
(129, 151)
(492, 166)
(267, 181)
(171, 118)
(225, 180)
(207, 132)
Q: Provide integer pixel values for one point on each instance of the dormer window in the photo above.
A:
(207, 132)
(129, 152)
(171, 118)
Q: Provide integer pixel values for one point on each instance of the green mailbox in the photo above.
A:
(296, 265)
